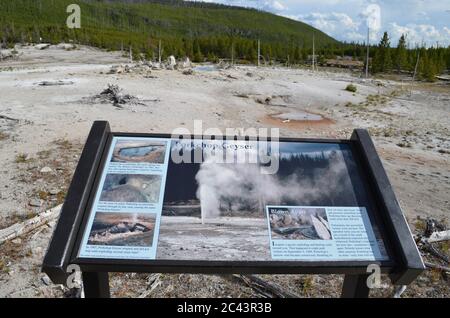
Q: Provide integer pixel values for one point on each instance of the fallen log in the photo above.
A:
(443, 78)
(55, 83)
(436, 266)
(266, 289)
(428, 247)
(154, 281)
(27, 226)
(438, 237)
(8, 118)
(399, 290)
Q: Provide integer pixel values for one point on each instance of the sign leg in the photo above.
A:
(96, 285)
(355, 286)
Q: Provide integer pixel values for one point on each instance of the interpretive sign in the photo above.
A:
(216, 210)
(146, 203)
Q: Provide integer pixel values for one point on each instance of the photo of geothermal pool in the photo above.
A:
(139, 151)
(217, 211)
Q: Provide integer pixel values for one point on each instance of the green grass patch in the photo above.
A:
(21, 158)
(351, 88)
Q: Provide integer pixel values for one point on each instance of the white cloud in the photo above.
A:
(355, 37)
(347, 20)
(447, 30)
(278, 5)
(268, 5)
(331, 23)
(421, 33)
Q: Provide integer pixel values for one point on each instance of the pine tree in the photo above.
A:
(382, 61)
(401, 55)
(427, 67)
(198, 56)
(430, 71)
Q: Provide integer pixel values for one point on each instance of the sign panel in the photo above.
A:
(231, 201)
(322, 234)
(125, 218)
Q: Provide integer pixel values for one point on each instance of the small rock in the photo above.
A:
(171, 62)
(188, 72)
(17, 241)
(42, 46)
(46, 280)
(66, 46)
(54, 191)
(46, 170)
(6, 54)
(184, 64)
(404, 145)
(35, 202)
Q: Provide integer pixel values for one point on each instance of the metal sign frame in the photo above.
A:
(404, 265)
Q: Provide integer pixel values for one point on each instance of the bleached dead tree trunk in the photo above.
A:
(259, 52)
(417, 66)
(314, 54)
(159, 52)
(232, 53)
(27, 226)
(368, 53)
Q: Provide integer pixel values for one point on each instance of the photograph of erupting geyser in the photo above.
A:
(217, 211)
(299, 224)
(122, 229)
(139, 151)
(133, 188)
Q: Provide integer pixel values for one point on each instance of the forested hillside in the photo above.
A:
(186, 28)
(202, 31)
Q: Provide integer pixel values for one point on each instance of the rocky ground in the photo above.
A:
(49, 98)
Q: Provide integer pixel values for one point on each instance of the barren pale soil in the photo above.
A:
(43, 128)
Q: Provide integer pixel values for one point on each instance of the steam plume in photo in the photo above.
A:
(303, 179)
(122, 229)
(131, 188)
(309, 175)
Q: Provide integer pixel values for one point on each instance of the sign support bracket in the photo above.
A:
(355, 286)
(96, 285)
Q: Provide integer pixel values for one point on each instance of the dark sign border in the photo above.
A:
(404, 265)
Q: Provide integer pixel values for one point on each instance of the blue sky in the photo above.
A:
(425, 21)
